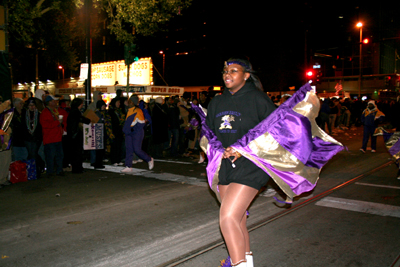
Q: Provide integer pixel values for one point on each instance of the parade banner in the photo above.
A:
(93, 136)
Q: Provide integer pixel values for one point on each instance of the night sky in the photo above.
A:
(274, 34)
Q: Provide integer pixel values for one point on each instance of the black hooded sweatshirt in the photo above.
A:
(230, 117)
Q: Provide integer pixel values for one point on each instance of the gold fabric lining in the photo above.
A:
(393, 140)
(266, 147)
(214, 185)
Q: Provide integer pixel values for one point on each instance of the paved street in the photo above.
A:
(104, 218)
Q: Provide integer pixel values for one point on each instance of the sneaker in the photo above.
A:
(151, 164)
(139, 160)
(127, 170)
(134, 161)
(362, 150)
(373, 150)
(115, 164)
(201, 159)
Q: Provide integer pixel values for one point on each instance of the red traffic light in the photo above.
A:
(366, 41)
(310, 73)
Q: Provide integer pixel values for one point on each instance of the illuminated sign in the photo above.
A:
(107, 73)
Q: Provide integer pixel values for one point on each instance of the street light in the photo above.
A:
(360, 25)
(61, 68)
(163, 67)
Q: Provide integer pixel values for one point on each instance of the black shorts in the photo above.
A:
(246, 173)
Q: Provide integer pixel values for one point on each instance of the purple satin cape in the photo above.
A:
(291, 130)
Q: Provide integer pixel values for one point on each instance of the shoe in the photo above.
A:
(139, 160)
(373, 150)
(249, 259)
(134, 161)
(115, 164)
(151, 164)
(127, 170)
(362, 150)
(201, 160)
(121, 164)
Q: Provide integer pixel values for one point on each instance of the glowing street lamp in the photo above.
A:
(360, 25)
(61, 68)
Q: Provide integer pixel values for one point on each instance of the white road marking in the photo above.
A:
(379, 185)
(173, 161)
(149, 174)
(360, 206)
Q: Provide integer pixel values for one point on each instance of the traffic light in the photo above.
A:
(130, 53)
(310, 75)
(365, 41)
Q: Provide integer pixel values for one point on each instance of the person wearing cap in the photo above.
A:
(134, 134)
(52, 128)
(370, 117)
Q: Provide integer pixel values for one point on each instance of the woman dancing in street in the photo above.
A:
(241, 107)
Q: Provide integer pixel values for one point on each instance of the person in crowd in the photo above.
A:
(134, 134)
(173, 126)
(370, 117)
(75, 134)
(64, 108)
(108, 136)
(160, 127)
(148, 129)
(19, 151)
(334, 111)
(39, 99)
(345, 114)
(324, 115)
(192, 132)
(395, 121)
(204, 99)
(52, 128)
(117, 122)
(5, 144)
(184, 107)
(241, 107)
(97, 95)
(33, 134)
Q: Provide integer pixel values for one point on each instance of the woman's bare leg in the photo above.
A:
(235, 199)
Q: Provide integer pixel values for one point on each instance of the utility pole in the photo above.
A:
(88, 89)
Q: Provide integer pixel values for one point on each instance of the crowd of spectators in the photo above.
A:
(49, 130)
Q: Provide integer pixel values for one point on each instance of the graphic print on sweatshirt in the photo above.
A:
(228, 119)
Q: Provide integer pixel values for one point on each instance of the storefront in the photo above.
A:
(109, 92)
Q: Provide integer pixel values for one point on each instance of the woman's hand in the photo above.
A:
(231, 152)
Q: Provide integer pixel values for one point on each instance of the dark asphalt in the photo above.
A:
(102, 218)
